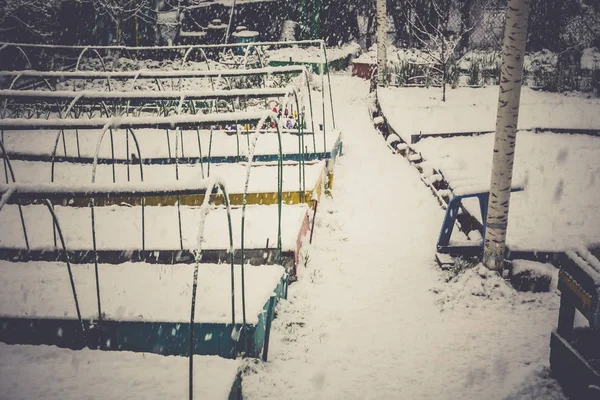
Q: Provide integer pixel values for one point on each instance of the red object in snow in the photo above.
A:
(363, 69)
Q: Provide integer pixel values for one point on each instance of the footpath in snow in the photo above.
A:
(373, 317)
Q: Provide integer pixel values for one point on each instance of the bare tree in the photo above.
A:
(121, 11)
(511, 74)
(440, 41)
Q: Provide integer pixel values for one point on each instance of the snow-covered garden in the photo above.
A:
(252, 220)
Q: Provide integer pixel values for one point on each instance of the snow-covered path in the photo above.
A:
(372, 317)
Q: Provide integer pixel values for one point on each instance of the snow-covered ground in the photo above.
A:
(419, 111)
(372, 317)
(47, 372)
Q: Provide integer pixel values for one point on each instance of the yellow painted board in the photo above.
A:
(585, 298)
(267, 198)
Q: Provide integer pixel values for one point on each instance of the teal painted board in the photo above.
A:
(260, 332)
(166, 338)
(64, 333)
(316, 67)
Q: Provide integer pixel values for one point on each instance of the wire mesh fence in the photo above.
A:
(555, 25)
(459, 42)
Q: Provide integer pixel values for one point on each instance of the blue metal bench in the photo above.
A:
(443, 243)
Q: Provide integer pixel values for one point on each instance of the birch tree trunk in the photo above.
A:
(513, 49)
(381, 41)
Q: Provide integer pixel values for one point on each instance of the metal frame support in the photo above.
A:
(443, 243)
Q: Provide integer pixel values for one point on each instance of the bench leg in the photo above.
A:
(484, 200)
(566, 318)
(448, 223)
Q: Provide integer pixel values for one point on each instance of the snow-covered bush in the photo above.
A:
(544, 76)
(474, 78)
(459, 267)
(407, 73)
(590, 67)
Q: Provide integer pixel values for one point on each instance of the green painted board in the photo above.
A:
(166, 338)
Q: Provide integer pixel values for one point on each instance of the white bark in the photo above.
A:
(513, 49)
(381, 41)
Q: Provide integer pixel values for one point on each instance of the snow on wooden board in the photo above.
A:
(587, 262)
(135, 291)
(152, 73)
(559, 206)
(120, 227)
(229, 3)
(185, 80)
(170, 122)
(154, 143)
(46, 95)
(536, 269)
(4, 44)
(103, 92)
(184, 84)
(414, 111)
(51, 373)
(312, 54)
(470, 185)
(85, 189)
(263, 178)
